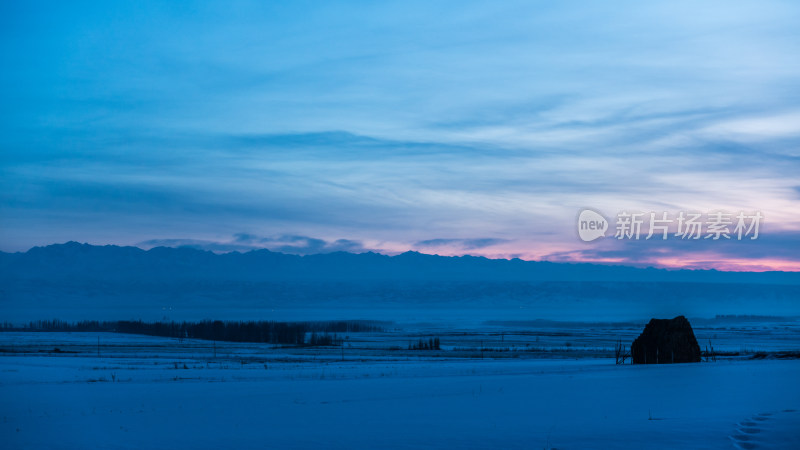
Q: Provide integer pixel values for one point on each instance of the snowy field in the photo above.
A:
(509, 385)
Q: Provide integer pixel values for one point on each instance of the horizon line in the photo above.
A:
(411, 251)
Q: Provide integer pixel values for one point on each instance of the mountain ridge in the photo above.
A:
(77, 261)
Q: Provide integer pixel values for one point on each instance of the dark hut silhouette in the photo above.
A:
(666, 341)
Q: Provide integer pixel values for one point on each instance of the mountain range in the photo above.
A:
(76, 262)
(80, 281)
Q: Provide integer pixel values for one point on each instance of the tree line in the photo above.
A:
(290, 333)
(422, 344)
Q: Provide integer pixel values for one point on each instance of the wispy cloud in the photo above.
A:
(774, 250)
(242, 242)
(462, 245)
(424, 127)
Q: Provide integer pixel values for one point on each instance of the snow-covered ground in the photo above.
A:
(147, 392)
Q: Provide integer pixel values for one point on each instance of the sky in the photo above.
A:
(453, 128)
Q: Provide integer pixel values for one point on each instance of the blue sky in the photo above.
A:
(446, 127)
